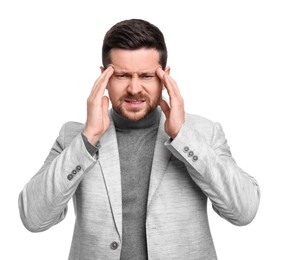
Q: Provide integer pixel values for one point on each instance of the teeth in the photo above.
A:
(134, 101)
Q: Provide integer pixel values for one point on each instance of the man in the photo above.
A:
(141, 172)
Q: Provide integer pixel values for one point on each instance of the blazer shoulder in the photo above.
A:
(71, 126)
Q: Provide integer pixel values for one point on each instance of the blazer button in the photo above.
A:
(186, 149)
(74, 172)
(190, 154)
(195, 158)
(70, 176)
(78, 168)
(114, 245)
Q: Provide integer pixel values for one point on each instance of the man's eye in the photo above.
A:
(121, 76)
(147, 76)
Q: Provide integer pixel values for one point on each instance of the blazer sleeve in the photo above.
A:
(43, 200)
(234, 194)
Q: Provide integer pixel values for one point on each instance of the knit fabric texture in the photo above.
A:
(136, 143)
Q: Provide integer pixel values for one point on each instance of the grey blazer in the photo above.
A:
(196, 165)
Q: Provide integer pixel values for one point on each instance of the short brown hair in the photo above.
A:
(134, 34)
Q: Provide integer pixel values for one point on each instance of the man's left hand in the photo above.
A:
(174, 112)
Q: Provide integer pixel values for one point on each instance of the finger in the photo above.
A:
(101, 83)
(160, 73)
(171, 86)
(168, 82)
(105, 104)
(165, 107)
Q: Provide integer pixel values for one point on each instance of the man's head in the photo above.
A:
(134, 34)
(135, 49)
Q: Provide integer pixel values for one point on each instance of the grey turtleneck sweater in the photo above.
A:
(136, 143)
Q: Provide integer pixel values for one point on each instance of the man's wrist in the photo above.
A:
(93, 139)
(91, 148)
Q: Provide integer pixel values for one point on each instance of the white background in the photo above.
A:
(226, 58)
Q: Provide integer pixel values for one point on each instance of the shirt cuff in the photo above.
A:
(92, 149)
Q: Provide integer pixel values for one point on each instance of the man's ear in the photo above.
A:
(167, 70)
(102, 69)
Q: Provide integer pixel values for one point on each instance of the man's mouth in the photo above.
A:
(134, 101)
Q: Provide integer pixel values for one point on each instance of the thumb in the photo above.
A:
(105, 104)
(165, 107)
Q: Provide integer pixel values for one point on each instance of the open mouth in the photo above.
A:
(135, 101)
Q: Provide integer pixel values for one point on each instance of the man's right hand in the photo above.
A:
(98, 119)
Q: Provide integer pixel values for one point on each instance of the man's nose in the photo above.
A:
(134, 86)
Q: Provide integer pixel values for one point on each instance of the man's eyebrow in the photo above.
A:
(139, 73)
(120, 71)
(124, 73)
(147, 73)
(144, 73)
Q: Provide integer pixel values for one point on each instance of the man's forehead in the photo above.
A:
(120, 69)
(135, 61)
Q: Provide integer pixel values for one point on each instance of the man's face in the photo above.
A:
(134, 88)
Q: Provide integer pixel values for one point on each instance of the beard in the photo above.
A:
(136, 113)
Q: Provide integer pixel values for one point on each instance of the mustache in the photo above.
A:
(134, 97)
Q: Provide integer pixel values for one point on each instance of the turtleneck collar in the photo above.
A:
(150, 120)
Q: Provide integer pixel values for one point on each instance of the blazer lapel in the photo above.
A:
(110, 166)
(160, 161)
